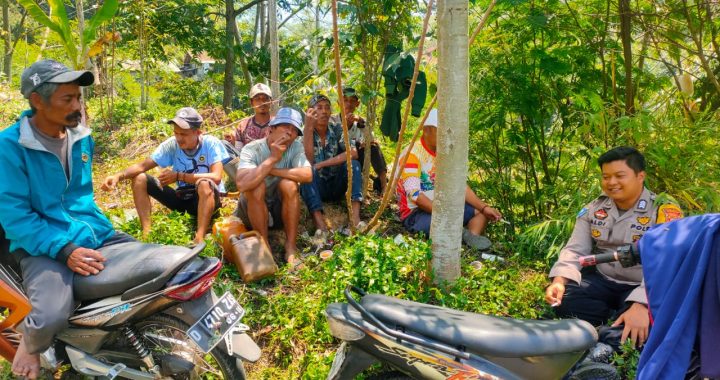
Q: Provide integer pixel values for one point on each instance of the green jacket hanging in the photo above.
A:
(398, 70)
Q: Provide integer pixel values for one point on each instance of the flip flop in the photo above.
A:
(479, 242)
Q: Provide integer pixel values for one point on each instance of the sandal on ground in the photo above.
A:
(479, 242)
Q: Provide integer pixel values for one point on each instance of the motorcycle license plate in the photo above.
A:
(216, 323)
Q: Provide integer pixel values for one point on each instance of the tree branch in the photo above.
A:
(246, 7)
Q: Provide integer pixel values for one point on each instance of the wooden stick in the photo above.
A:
(343, 117)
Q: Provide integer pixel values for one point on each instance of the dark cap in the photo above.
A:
(50, 71)
(317, 98)
(187, 118)
(287, 115)
(349, 92)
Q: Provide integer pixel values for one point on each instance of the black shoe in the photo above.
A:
(588, 370)
(600, 353)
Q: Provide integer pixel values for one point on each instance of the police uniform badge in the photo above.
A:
(643, 220)
(595, 233)
(642, 205)
(601, 214)
(668, 213)
(635, 238)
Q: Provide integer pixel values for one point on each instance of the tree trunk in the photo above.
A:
(263, 10)
(241, 57)
(626, 37)
(452, 145)
(315, 48)
(256, 27)
(274, 55)
(229, 82)
(7, 58)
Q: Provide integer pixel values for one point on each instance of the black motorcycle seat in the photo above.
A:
(483, 334)
(124, 270)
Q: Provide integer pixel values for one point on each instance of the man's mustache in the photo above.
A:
(75, 116)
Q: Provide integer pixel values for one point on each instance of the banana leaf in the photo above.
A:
(105, 13)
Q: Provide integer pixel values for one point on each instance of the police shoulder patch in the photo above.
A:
(582, 212)
(667, 213)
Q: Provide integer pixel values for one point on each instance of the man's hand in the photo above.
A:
(167, 176)
(279, 146)
(310, 120)
(351, 118)
(555, 292)
(492, 213)
(229, 137)
(110, 182)
(85, 261)
(636, 320)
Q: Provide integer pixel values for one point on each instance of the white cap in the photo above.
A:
(260, 88)
(432, 119)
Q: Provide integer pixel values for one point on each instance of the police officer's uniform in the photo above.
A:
(600, 227)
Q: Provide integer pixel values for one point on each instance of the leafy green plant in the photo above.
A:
(59, 23)
(626, 360)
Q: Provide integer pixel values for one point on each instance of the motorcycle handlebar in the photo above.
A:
(627, 256)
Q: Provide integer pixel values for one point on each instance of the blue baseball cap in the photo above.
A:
(287, 115)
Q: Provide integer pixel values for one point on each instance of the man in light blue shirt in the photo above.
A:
(268, 175)
(191, 160)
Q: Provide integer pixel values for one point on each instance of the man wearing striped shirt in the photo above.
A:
(416, 186)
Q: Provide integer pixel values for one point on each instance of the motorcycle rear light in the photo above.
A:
(197, 288)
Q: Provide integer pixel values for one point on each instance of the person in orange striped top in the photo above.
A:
(416, 187)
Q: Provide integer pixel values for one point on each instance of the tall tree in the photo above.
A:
(452, 144)
(229, 79)
(7, 42)
(626, 38)
(274, 53)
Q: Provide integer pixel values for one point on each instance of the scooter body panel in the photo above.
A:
(413, 359)
(88, 340)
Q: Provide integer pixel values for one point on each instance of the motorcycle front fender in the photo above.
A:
(243, 347)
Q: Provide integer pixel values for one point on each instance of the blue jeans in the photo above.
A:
(419, 220)
(332, 188)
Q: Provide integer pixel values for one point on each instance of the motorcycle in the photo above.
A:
(432, 342)
(162, 321)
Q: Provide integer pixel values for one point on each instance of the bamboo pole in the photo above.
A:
(400, 161)
(343, 116)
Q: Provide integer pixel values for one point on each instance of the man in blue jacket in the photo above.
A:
(54, 227)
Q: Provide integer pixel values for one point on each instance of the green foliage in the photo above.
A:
(174, 228)
(59, 23)
(293, 330)
(182, 92)
(626, 360)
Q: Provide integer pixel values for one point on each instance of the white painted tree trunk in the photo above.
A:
(452, 145)
(274, 54)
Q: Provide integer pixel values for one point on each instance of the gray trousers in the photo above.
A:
(48, 284)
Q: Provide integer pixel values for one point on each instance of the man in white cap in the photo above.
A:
(268, 177)
(191, 160)
(254, 127)
(416, 188)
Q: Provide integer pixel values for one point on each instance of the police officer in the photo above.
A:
(620, 216)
